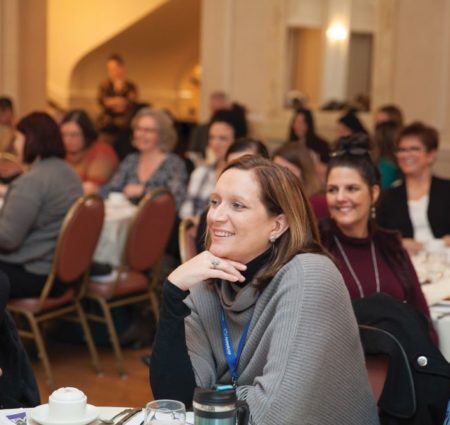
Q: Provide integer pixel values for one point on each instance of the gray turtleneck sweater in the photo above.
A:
(302, 362)
(35, 206)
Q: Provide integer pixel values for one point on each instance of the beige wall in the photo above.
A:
(32, 59)
(76, 27)
(243, 53)
(309, 63)
(23, 52)
(411, 63)
(420, 57)
(161, 51)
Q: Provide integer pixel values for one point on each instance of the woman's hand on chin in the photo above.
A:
(206, 266)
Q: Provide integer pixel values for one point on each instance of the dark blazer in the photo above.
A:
(417, 386)
(392, 210)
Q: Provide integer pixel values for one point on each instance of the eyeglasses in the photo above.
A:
(146, 129)
(411, 149)
(71, 134)
(349, 151)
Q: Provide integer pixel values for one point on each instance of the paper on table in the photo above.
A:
(14, 417)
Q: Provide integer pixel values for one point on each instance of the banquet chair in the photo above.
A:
(377, 369)
(75, 247)
(186, 239)
(147, 236)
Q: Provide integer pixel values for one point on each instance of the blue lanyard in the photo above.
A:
(447, 415)
(232, 359)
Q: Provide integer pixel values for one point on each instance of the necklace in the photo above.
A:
(352, 271)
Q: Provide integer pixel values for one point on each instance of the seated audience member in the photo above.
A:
(6, 125)
(349, 124)
(94, 161)
(10, 166)
(419, 207)
(6, 112)
(371, 259)
(223, 131)
(241, 147)
(387, 113)
(198, 142)
(297, 159)
(384, 139)
(117, 96)
(265, 280)
(302, 129)
(153, 165)
(35, 206)
(246, 146)
(218, 101)
(18, 387)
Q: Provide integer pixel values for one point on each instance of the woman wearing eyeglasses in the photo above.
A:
(153, 165)
(371, 259)
(419, 207)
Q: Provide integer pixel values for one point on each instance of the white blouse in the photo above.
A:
(419, 218)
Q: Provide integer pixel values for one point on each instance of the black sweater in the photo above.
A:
(171, 372)
(393, 213)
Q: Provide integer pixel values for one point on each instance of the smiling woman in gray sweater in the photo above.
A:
(35, 206)
(266, 284)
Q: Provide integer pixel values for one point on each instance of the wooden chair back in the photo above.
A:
(187, 233)
(77, 240)
(150, 230)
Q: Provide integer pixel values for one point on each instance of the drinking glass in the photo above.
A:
(419, 261)
(165, 412)
(436, 264)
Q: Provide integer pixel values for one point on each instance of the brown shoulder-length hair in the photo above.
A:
(42, 137)
(281, 193)
(300, 156)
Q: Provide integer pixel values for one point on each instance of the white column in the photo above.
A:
(216, 49)
(9, 49)
(335, 52)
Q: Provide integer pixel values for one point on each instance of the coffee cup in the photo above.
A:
(219, 406)
(67, 403)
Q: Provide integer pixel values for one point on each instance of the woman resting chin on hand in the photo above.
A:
(264, 284)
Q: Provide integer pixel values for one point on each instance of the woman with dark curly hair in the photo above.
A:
(371, 259)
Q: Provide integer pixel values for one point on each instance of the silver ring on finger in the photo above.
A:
(215, 263)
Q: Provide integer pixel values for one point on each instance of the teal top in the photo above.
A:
(389, 172)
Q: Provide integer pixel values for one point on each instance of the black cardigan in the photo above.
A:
(417, 387)
(392, 210)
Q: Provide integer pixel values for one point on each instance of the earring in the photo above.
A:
(373, 212)
(272, 239)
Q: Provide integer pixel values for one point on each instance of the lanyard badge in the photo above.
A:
(447, 415)
(231, 357)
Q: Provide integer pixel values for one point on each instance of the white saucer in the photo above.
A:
(40, 414)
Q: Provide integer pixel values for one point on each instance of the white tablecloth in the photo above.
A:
(115, 227)
(436, 288)
(436, 294)
(106, 412)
